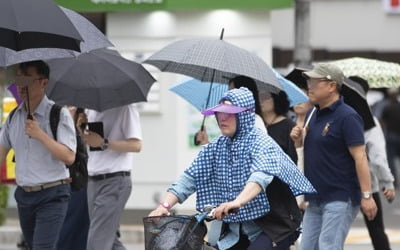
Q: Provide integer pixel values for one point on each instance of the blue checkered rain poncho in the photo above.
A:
(223, 167)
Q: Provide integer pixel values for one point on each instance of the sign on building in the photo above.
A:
(392, 6)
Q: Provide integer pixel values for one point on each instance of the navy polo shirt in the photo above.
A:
(328, 163)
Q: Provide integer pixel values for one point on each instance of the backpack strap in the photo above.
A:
(55, 119)
(10, 115)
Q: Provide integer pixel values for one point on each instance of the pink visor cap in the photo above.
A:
(224, 108)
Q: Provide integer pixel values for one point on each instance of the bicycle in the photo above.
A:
(178, 232)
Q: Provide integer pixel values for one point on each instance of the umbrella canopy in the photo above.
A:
(294, 93)
(213, 61)
(100, 79)
(26, 24)
(353, 94)
(93, 39)
(379, 74)
(202, 95)
(297, 78)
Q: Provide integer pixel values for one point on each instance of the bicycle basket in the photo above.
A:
(171, 232)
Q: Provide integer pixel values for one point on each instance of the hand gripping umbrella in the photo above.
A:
(353, 95)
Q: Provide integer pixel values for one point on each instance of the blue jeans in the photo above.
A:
(326, 224)
(41, 215)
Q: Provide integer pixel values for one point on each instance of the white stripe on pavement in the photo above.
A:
(360, 235)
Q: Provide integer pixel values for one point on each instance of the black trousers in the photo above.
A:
(263, 242)
(376, 229)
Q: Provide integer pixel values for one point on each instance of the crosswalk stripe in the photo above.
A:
(361, 236)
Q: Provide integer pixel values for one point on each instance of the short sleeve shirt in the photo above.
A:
(328, 163)
(35, 165)
(119, 124)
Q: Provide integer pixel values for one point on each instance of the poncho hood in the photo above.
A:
(242, 97)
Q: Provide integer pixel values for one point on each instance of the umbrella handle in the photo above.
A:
(29, 116)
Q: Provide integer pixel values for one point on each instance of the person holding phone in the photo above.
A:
(109, 185)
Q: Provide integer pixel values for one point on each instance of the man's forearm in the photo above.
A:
(361, 161)
(3, 154)
(58, 150)
(129, 145)
(363, 176)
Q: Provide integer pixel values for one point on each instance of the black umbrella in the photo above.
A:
(353, 94)
(26, 24)
(100, 79)
(296, 76)
(93, 39)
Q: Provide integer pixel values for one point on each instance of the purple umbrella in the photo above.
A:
(13, 90)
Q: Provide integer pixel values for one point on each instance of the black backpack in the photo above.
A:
(284, 218)
(78, 170)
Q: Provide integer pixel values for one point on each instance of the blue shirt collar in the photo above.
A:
(330, 108)
(41, 108)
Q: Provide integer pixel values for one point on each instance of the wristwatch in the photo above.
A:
(366, 195)
(166, 205)
(105, 144)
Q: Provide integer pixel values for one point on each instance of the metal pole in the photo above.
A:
(2, 92)
(302, 55)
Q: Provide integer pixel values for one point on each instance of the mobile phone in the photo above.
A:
(96, 127)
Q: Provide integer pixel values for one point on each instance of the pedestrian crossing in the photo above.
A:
(359, 235)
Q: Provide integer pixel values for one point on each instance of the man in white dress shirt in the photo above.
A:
(109, 169)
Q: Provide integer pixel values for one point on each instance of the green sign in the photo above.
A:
(127, 5)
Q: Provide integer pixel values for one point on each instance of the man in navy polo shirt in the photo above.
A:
(335, 162)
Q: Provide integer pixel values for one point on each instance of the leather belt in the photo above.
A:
(100, 177)
(45, 186)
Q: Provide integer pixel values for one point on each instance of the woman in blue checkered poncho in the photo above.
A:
(233, 172)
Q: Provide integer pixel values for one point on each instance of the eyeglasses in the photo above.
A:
(314, 83)
(24, 81)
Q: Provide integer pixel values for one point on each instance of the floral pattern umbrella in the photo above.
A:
(379, 74)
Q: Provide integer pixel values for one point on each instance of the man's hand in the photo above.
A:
(159, 211)
(225, 208)
(389, 194)
(81, 122)
(368, 207)
(297, 136)
(93, 139)
(33, 130)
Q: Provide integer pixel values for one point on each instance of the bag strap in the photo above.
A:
(10, 115)
(55, 119)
